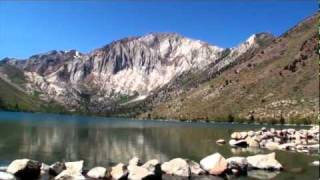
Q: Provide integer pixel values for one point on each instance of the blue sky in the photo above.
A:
(31, 27)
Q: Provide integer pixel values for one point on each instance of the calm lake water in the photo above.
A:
(106, 141)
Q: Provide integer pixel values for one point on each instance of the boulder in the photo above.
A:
(28, 169)
(97, 173)
(135, 161)
(220, 141)
(119, 171)
(138, 172)
(56, 168)
(215, 164)
(6, 176)
(177, 166)
(195, 168)
(239, 143)
(264, 161)
(73, 171)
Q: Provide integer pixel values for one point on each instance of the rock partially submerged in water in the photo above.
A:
(73, 171)
(215, 164)
(210, 167)
(25, 168)
(264, 161)
(220, 141)
(303, 140)
(177, 167)
(119, 171)
(139, 172)
(97, 173)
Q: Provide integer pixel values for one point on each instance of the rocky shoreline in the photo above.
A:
(303, 140)
(213, 166)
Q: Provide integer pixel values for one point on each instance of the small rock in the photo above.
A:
(178, 167)
(6, 176)
(97, 172)
(195, 168)
(28, 169)
(264, 161)
(220, 141)
(119, 171)
(239, 143)
(215, 164)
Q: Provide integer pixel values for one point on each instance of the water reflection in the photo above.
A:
(108, 141)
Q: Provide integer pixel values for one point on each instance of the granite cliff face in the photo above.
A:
(130, 68)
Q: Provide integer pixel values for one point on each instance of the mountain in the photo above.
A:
(161, 75)
(277, 83)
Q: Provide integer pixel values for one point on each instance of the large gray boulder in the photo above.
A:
(215, 164)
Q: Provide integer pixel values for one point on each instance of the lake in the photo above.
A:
(106, 141)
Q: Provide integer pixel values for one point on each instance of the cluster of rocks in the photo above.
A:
(304, 140)
(214, 166)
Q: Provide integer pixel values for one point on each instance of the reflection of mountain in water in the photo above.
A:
(97, 146)
(101, 144)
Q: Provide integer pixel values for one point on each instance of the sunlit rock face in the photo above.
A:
(132, 66)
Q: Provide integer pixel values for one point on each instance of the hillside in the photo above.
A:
(13, 96)
(278, 84)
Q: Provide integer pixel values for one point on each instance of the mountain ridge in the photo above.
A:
(146, 76)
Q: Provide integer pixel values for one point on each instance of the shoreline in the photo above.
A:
(164, 120)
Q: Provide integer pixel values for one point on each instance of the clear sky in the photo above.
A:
(31, 27)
